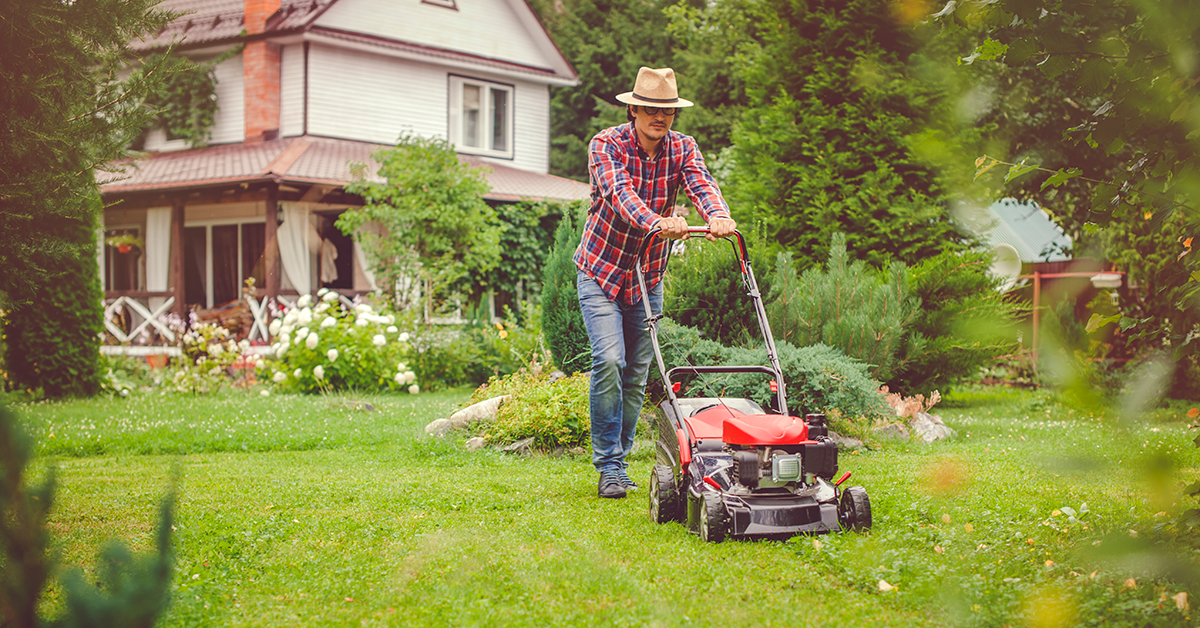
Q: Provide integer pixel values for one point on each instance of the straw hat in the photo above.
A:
(654, 88)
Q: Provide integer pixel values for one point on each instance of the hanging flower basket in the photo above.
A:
(124, 242)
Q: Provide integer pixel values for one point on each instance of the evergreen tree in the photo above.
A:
(63, 114)
(822, 146)
(562, 320)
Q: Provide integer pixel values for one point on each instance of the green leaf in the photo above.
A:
(1020, 50)
(1017, 170)
(1097, 321)
(982, 169)
(1192, 489)
(1094, 76)
(1061, 177)
(1070, 512)
(991, 49)
(1056, 64)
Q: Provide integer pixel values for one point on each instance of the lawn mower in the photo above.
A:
(726, 467)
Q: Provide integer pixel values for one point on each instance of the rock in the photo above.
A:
(578, 451)
(439, 427)
(364, 406)
(520, 447)
(556, 375)
(483, 411)
(892, 431)
(476, 443)
(929, 427)
(844, 442)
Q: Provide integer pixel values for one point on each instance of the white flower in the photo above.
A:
(362, 322)
(392, 329)
(301, 333)
(328, 322)
(286, 329)
(322, 292)
(403, 337)
(244, 346)
(260, 364)
(391, 320)
(279, 377)
(311, 341)
(379, 340)
(282, 350)
(410, 377)
(265, 393)
(304, 301)
(414, 389)
(401, 367)
(290, 317)
(297, 373)
(215, 349)
(305, 316)
(362, 308)
(124, 392)
(273, 328)
(321, 308)
(319, 372)
(330, 297)
(399, 378)
(216, 370)
(332, 354)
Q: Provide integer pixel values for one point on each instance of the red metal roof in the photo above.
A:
(204, 21)
(307, 159)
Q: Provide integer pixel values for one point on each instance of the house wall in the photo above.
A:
(488, 28)
(229, 125)
(367, 97)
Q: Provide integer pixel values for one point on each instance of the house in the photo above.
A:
(312, 87)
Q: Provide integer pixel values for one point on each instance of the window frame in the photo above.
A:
(455, 85)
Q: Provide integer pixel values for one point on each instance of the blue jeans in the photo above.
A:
(621, 354)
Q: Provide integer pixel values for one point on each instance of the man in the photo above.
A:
(636, 171)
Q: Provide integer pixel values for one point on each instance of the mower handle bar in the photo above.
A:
(739, 247)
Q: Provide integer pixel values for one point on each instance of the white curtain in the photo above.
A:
(100, 254)
(158, 252)
(296, 245)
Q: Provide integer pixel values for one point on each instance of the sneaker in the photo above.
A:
(627, 481)
(610, 486)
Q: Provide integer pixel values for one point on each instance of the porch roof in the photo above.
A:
(304, 160)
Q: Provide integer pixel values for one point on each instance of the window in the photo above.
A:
(481, 118)
(121, 268)
(217, 260)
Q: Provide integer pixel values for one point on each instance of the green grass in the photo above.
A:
(319, 514)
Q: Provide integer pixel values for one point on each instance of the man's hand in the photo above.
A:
(674, 227)
(720, 228)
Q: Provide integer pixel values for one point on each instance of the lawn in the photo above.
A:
(333, 511)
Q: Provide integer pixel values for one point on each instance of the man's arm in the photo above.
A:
(704, 192)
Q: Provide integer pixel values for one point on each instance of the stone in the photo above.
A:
(483, 411)
(521, 447)
(475, 443)
(891, 431)
(439, 427)
(845, 442)
(556, 375)
(930, 427)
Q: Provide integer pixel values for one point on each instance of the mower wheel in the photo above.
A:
(714, 522)
(855, 509)
(664, 498)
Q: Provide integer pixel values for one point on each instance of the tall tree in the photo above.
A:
(823, 145)
(63, 113)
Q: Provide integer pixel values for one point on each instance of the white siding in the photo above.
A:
(291, 91)
(532, 135)
(360, 96)
(230, 123)
(489, 28)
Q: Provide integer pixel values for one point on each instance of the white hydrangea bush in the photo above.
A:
(321, 344)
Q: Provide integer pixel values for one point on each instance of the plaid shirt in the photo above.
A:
(630, 192)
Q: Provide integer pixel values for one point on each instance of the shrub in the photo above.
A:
(562, 321)
(328, 346)
(860, 311)
(964, 323)
(52, 330)
(704, 290)
(211, 358)
(554, 413)
(477, 351)
(818, 378)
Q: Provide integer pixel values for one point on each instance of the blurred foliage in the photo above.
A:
(552, 411)
(129, 590)
(526, 238)
(963, 322)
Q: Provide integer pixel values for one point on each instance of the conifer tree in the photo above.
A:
(63, 115)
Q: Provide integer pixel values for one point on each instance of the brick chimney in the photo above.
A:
(260, 74)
